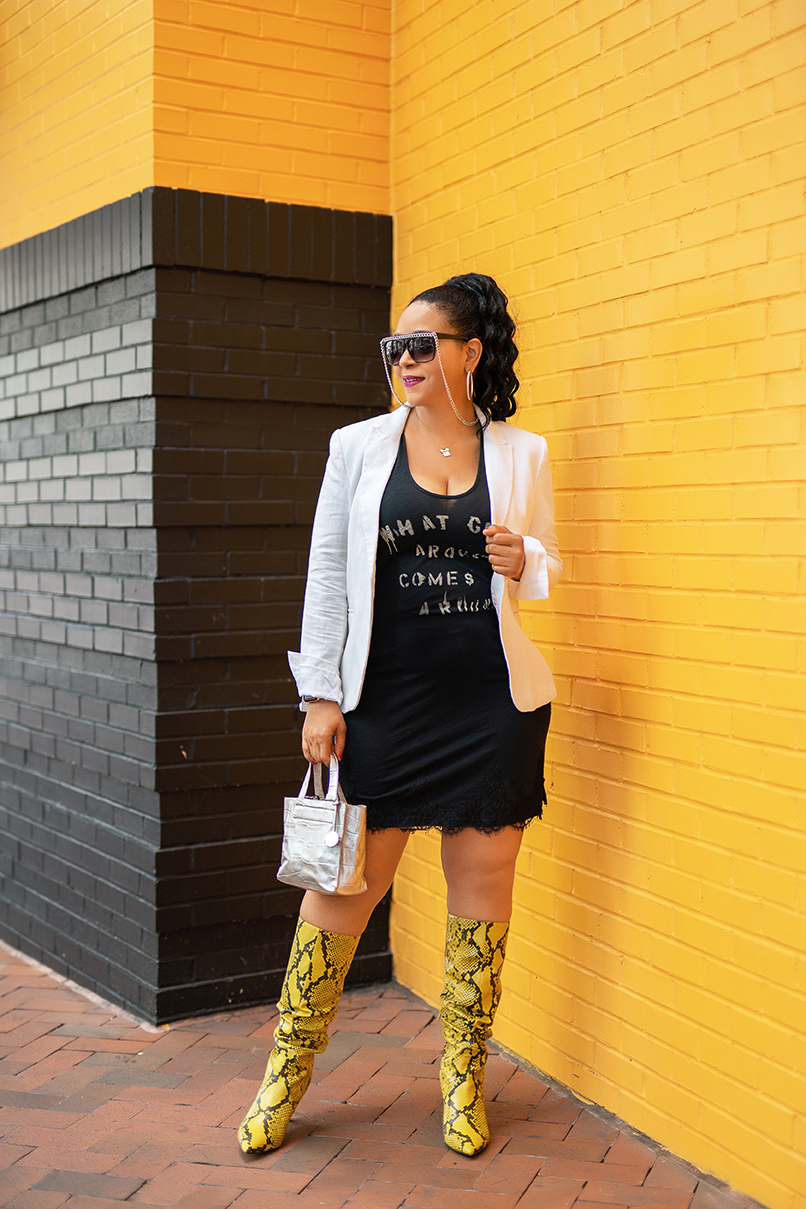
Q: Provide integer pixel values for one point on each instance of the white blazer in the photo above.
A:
(337, 617)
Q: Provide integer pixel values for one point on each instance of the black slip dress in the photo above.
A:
(435, 740)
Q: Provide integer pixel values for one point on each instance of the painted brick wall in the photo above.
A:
(79, 813)
(76, 120)
(633, 174)
(164, 431)
(250, 391)
(275, 99)
(288, 101)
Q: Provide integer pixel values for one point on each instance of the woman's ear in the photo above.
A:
(472, 354)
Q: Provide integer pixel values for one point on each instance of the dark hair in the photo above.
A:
(476, 306)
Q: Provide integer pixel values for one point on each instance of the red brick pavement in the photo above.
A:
(97, 1110)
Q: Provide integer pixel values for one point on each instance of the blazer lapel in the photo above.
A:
(380, 452)
(498, 462)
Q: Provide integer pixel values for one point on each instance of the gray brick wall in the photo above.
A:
(78, 692)
(90, 346)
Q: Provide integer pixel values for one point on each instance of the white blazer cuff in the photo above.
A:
(315, 677)
(534, 583)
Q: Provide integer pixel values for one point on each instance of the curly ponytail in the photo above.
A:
(476, 307)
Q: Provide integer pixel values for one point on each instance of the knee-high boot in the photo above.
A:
(474, 955)
(311, 991)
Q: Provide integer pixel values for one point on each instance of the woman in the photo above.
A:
(433, 522)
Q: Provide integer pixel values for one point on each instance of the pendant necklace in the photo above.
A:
(445, 450)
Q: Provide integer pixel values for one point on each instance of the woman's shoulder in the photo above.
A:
(354, 437)
(386, 419)
(519, 438)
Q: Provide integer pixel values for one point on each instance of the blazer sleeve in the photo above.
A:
(316, 666)
(543, 565)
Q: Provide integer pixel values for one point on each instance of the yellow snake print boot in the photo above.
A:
(311, 991)
(474, 955)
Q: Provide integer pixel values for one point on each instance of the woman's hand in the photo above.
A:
(324, 731)
(505, 551)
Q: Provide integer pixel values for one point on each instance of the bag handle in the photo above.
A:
(333, 788)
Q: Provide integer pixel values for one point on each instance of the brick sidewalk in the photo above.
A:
(96, 1110)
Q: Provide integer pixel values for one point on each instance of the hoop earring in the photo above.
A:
(467, 423)
(470, 386)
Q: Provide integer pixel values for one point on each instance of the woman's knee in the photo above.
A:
(476, 856)
(347, 915)
(350, 914)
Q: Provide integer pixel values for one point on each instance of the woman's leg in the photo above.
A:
(328, 932)
(349, 914)
(479, 870)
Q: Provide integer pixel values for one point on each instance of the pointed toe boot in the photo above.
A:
(309, 1000)
(474, 955)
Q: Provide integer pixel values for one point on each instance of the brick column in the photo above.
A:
(173, 366)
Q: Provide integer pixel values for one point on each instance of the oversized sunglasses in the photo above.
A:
(421, 346)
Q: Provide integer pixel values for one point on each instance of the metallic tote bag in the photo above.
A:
(324, 838)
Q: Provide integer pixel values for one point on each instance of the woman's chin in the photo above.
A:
(416, 397)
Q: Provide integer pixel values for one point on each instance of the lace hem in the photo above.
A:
(520, 825)
(494, 814)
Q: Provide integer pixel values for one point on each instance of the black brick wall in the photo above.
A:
(170, 227)
(163, 436)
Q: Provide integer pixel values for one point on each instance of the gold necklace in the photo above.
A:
(445, 450)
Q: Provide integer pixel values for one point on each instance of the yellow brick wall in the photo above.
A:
(286, 100)
(282, 99)
(75, 109)
(633, 173)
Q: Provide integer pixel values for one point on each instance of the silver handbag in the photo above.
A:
(324, 838)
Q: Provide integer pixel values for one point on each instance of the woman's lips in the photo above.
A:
(411, 381)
